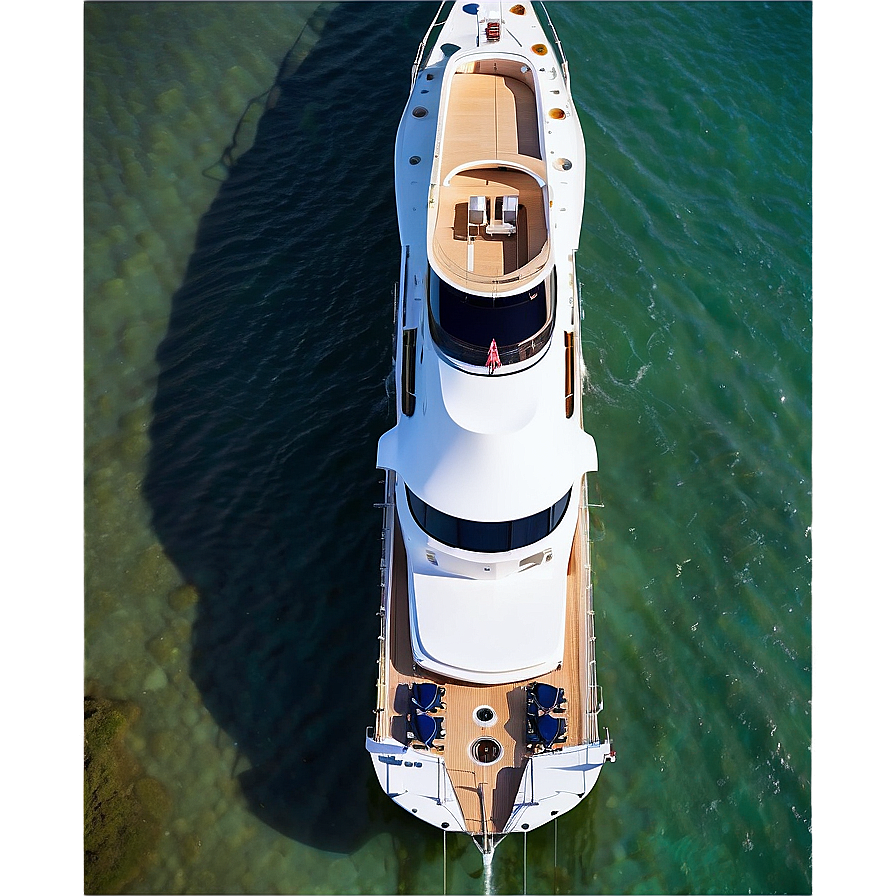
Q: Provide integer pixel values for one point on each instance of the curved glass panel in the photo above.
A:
(464, 325)
(486, 538)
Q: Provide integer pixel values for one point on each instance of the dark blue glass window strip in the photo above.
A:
(486, 538)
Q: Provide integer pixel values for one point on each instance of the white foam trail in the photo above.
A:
(487, 883)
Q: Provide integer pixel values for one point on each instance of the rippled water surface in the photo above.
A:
(241, 246)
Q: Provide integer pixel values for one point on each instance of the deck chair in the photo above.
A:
(548, 698)
(425, 728)
(426, 696)
(551, 730)
(504, 222)
(477, 213)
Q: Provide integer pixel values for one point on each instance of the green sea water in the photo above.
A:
(237, 341)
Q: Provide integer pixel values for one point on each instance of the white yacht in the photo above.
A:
(487, 697)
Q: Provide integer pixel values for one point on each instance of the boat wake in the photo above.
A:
(487, 880)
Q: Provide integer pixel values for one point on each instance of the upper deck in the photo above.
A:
(490, 228)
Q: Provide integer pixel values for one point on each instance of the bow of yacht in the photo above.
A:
(487, 695)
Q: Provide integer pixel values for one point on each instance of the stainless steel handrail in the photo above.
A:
(564, 65)
(415, 68)
(594, 699)
(477, 355)
(388, 535)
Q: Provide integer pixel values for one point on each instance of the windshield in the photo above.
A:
(464, 324)
(486, 538)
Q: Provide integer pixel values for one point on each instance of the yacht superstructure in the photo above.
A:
(487, 696)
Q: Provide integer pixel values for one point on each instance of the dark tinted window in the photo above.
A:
(486, 538)
(531, 528)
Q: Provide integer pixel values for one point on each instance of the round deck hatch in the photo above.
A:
(486, 751)
(485, 716)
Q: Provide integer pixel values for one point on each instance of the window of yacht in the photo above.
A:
(464, 324)
(486, 538)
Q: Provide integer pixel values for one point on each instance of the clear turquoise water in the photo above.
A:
(237, 343)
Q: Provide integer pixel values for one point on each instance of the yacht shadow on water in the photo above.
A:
(270, 400)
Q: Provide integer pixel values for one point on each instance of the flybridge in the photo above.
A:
(488, 222)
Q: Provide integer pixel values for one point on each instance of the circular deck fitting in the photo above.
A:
(485, 716)
(486, 751)
(414, 160)
(562, 164)
(540, 50)
(557, 114)
(420, 112)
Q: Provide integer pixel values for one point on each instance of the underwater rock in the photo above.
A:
(152, 572)
(163, 745)
(183, 598)
(156, 680)
(164, 651)
(104, 405)
(170, 100)
(136, 419)
(154, 798)
(133, 448)
(123, 809)
(100, 455)
(125, 673)
(190, 846)
(180, 630)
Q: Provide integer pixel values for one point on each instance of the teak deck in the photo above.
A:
(490, 117)
(498, 782)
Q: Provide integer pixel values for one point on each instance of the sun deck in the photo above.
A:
(497, 782)
(490, 149)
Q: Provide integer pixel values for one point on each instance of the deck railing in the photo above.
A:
(388, 535)
(429, 38)
(594, 702)
(561, 56)
(487, 282)
(478, 355)
(425, 47)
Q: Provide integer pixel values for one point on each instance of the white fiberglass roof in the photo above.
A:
(488, 448)
(498, 630)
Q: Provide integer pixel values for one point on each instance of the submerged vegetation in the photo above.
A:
(123, 808)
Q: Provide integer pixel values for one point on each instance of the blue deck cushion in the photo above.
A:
(547, 696)
(550, 729)
(426, 696)
(426, 728)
